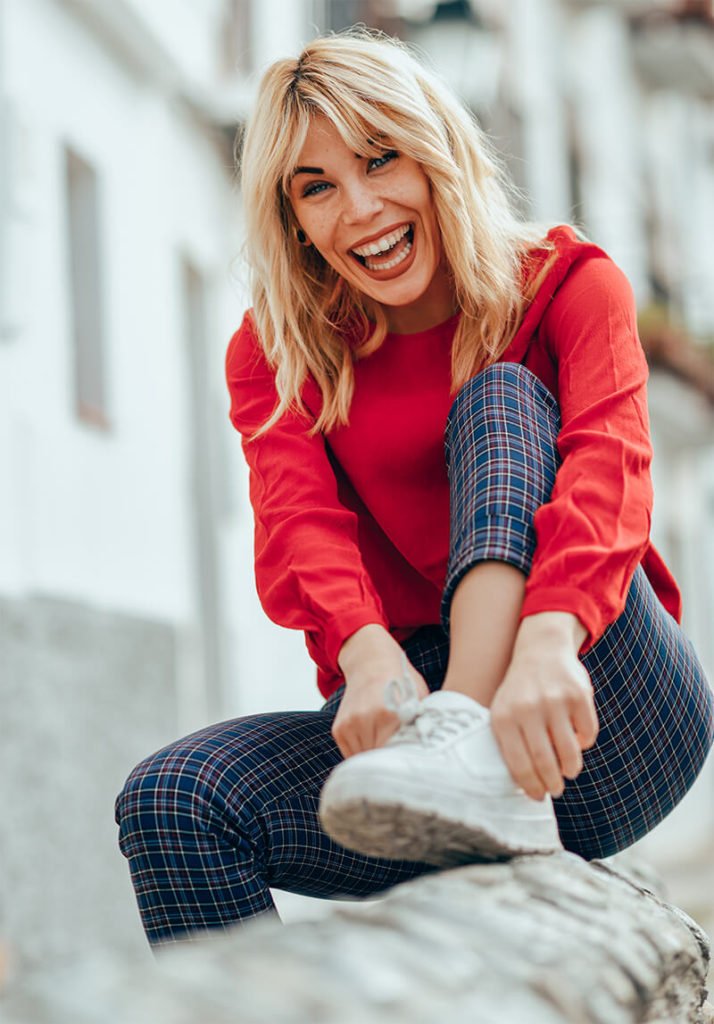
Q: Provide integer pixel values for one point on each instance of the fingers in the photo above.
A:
(567, 748)
(349, 735)
(585, 721)
(351, 740)
(518, 759)
(356, 734)
(363, 722)
(344, 745)
(544, 765)
(541, 750)
(532, 761)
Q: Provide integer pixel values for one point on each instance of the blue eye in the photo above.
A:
(374, 163)
(380, 161)
(313, 190)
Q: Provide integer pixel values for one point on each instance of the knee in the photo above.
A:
(501, 383)
(137, 807)
(167, 792)
(512, 375)
(505, 401)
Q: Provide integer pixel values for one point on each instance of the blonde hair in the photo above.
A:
(369, 85)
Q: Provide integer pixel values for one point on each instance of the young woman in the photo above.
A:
(444, 413)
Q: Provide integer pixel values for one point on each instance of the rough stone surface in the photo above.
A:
(538, 940)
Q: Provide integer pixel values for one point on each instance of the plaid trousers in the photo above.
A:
(212, 821)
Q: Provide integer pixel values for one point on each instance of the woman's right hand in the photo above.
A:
(369, 659)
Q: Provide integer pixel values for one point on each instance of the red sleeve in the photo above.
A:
(594, 531)
(308, 567)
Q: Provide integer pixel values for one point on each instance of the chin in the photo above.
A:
(401, 296)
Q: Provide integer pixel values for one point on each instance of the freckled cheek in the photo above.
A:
(330, 252)
(321, 234)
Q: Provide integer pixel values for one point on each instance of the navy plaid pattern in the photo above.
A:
(502, 460)
(212, 821)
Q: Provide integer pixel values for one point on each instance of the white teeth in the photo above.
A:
(382, 244)
(391, 263)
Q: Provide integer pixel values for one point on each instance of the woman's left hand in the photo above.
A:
(543, 714)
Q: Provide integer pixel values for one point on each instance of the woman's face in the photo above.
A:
(372, 219)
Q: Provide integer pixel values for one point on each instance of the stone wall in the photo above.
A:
(84, 695)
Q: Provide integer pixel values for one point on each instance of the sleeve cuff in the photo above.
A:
(342, 627)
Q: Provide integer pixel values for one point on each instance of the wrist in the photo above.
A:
(366, 642)
(552, 628)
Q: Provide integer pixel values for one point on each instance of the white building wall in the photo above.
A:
(280, 29)
(680, 137)
(190, 30)
(104, 517)
(103, 495)
(696, 186)
(683, 477)
(536, 82)
(606, 106)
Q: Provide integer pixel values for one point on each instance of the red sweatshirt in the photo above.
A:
(353, 527)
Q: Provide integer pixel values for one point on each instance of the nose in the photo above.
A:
(360, 204)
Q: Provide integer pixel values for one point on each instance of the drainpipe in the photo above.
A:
(4, 184)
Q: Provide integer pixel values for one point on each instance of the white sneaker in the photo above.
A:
(438, 791)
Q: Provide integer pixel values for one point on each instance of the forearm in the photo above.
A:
(484, 615)
(486, 632)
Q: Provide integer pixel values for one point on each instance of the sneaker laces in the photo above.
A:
(421, 723)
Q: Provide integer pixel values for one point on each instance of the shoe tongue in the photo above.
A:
(450, 700)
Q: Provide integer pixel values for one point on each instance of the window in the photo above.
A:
(87, 328)
(204, 474)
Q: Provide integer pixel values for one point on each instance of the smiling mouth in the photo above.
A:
(389, 257)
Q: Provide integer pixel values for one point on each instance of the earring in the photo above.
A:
(301, 236)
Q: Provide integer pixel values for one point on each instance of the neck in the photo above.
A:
(412, 322)
(435, 306)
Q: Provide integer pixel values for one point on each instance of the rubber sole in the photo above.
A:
(398, 832)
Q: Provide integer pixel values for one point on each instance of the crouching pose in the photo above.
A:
(444, 413)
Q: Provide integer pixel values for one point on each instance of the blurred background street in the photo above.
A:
(128, 612)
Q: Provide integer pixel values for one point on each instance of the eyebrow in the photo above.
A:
(307, 170)
(315, 170)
